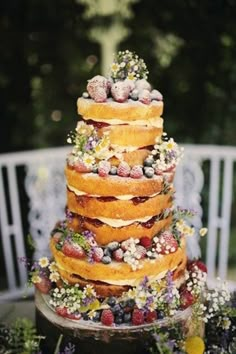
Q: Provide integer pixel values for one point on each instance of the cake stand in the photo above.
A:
(93, 338)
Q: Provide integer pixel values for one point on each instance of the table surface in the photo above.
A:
(9, 311)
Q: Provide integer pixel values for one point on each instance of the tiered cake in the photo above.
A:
(120, 255)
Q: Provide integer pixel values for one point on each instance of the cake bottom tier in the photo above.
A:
(91, 338)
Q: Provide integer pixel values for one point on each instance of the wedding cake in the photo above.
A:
(119, 257)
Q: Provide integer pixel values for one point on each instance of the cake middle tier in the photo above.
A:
(112, 208)
(120, 273)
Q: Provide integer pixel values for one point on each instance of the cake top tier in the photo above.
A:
(127, 80)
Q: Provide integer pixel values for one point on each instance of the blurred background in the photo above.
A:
(49, 49)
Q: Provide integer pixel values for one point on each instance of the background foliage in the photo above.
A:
(47, 56)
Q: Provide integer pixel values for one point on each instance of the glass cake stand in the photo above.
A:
(92, 338)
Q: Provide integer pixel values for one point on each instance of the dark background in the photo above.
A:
(46, 56)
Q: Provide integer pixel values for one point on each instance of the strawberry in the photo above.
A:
(145, 97)
(120, 91)
(140, 252)
(44, 286)
(118, 255)
(96, 82)
(62, 311)
(107, 317)
(97, 254)
(123, 169)
(142, 84)
(151, 316)
(195, 265)
(73, 250)
(130, 83)
(167, 242)
(104, 168)
(79, 166)
(156, 95)
(186, 299)
(145, 242)
(100, 95)
(137, 317)
(136, 172)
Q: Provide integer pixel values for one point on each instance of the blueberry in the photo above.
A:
(123, 304)
(106, 260)
(160, 315)
(148, 162)
(149, 172)
(95, 169)
(113, 246)
(97, 316)
(134, 95)
(107, 252)
(127, 317)
(113, 170)
(111, 301)
(85, 95)
(116, 309)
(130, 303)
(118, 319)
(85, 316)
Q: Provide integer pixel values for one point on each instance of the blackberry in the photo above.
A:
(131, 303)
(118, 319)
(113, 170)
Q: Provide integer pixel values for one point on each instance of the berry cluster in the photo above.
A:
(100, 89)
(131, 251)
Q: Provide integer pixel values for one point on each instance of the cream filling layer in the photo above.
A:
(120, 222)
(156, 122)
(120, 197)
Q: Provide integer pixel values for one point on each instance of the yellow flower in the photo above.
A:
(88, 160)
(89, 291)
(115, 67)
(53, 267)
(203, 231)
(35, 279)
(194, 345)
(43, 262)
(131, 76)
(54, 276)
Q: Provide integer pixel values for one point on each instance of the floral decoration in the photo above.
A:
(127, 65)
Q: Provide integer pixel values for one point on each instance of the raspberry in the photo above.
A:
(96, 82)
(145, 97)
(120, 91)
(140, 252)
(104, 168)
(118, 255)
(44, 286)
(107, 317)
(137, 317)
(136, 172)
(193, 265)
(100, 95)
(123, 169)
(156, 95)
(151, 316)
(79, 166)
(73, 250)
(97, 254)
(186, 299)
(168, 243)
(145, 242)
